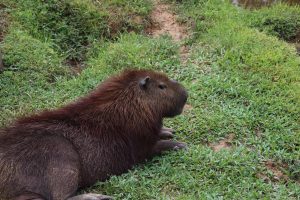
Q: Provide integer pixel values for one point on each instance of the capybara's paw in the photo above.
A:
(166, 133)
(167, 145)
(91, 196)
(180, 145)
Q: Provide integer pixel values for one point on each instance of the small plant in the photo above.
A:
(284, 28)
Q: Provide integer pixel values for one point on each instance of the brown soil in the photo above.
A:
(276, 172)
(222, 144)
(164, 23)
(75, 66)
(187, 107)
(264, 177)
(275, 169)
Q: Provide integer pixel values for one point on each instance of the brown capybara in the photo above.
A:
(52, 154)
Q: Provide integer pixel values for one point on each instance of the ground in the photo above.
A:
(242, 72)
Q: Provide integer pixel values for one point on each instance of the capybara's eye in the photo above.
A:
(162, 86)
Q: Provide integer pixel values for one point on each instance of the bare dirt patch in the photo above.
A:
(187, 107)
(276, 171)
(222, 144)
(263, 177)
(164, 22)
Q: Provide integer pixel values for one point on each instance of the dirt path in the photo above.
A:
(164, 23)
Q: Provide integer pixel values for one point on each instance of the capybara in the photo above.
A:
(50, 155)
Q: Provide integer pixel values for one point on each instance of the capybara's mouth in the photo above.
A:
(183, 102)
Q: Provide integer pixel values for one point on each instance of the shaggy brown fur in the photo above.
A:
(51, 154)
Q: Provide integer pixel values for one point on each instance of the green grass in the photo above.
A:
(242, 80)
(73, 25)
(284, 25)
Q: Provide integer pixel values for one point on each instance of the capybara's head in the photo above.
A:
(151, 90)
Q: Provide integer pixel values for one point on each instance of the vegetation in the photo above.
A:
(72, 26)
(242, 80)
(284, 25)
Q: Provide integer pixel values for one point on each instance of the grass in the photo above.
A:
(242, 80)
(72, 26)
(285, 26)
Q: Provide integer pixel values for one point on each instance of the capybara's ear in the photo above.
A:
(144, 82)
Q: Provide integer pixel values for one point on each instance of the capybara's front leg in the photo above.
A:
(91, 196)
(166, 133)
(167, 145)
